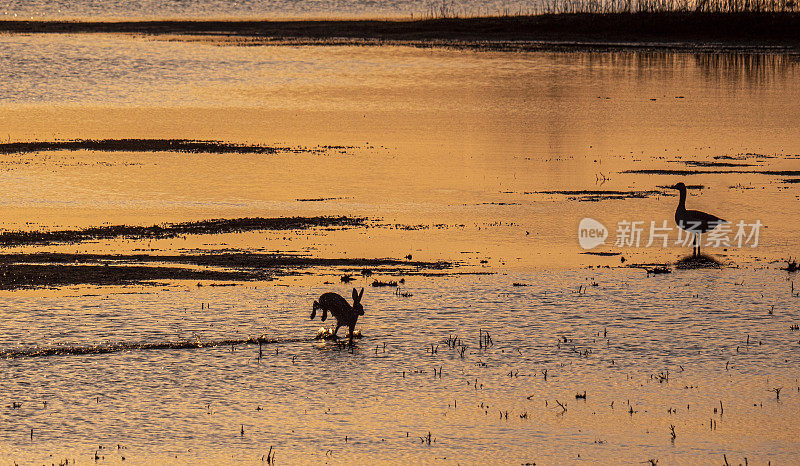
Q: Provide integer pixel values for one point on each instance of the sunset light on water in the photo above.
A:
(466, 237)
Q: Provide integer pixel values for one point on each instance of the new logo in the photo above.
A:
(591, 233)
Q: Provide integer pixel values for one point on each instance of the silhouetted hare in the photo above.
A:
(344, 313)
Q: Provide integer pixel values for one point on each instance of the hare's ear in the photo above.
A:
(355, 295)
(360, 295)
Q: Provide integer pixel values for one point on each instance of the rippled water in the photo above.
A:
(448, 153)
(191, 404)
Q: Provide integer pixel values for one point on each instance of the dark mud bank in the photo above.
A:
(154, 145)
(203, 227)
(657, 171)
(17, 276)
(43, 270)
(108, 348)
(600, 195)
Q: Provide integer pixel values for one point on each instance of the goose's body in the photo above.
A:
(694, 221)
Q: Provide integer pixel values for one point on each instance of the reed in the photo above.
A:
(791, 265)
(484, 339)
(427, 439)
(442, 9)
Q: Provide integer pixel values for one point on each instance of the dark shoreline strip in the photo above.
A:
(141, 145)
(33, 276)
(599, 192)
(203, 227)
(703, 163)
(119, 347)
(596, 196)
(240, 260)
(48, 270)
(712, 172)
(747, 29)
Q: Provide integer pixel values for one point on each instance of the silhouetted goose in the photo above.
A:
(694, 221)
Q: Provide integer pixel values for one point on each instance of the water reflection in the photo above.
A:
(731, 68)
(80, 70)
(746, 69)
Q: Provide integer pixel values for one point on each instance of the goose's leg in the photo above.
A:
(699, 240)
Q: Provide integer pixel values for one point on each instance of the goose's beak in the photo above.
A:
(674, 186)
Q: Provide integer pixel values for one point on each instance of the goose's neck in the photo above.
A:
(682, 202)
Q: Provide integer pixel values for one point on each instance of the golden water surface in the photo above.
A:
(454, 155)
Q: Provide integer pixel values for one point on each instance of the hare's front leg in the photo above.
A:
(337, 328)
(352, 329)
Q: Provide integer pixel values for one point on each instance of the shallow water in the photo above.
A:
(449, 153)
(190, 405)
